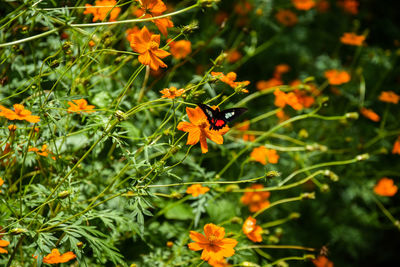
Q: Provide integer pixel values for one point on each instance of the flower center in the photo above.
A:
(153, 45)
(212, 238)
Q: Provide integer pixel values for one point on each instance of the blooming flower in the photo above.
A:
(336, 77)
(322, 261)
(261, 154)
(215, 247)
(242, 8)
(198, 129)
(55, 257)
(147, 45)
(233, 55)
(322, 5)
(19, 113)
(282, 99)
(303, 4)
(273, 82)
(256, 200)
(131, 32)
(282, 116)
(244, 126)
(197, 189)
(286, 17)
(350, 38)
(3, 243)
(1, 183)
(80, 105)
(105, 7)
(171, 92)
(396, 146)
(219, 263)
(370, 114)
(385, 187)
(229, 79)
(389, 97)
(252, 230)
(281, 69)
(349, 6)
(154, 8)
(42, 152)
(180, 49)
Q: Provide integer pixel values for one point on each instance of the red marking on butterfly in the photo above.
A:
(218, 119)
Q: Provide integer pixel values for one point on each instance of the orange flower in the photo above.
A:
(215, 247)
(350, 38)
(229, 79)
(282, 116)
(131, 32)
(263, 85)
(198, 129)
(349, 6)
(12, 127)
(256, 200)
(1, 183)
(252, 230)
(396, 146)
(233, 56)
(42, 152)
(385, 187)
(154, 8)
(336, 77)
(105, 7)
(389, 97)
(286, 17)
(219, 263)
(370, 114)
(322, 261)
(322, 5)
(147, 45)
(80, 105)
(303, 4)
(3, 243)
(180, 49)
(242, 8)
(282, 99)
(19, 113)
(197, 189)
(245, 125)
(171, 92)
(281, 69)
(55, 257)
(261, 154)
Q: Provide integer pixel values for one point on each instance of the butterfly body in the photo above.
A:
(218, 119)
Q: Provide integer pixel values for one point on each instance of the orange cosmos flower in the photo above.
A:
(303, 4)
(131, 32)
(281, 69)
(252, 230)
(147, 45)
(389, 97)
(233, 56)
(215, 247)
(322, 261)
(55, 257)
(1, 183)
(154, 8)
(229, 79)
(263, 85)
(12, 127)
(171, 92)
(199, 129)
(370, 114)
(322, 6)
(180, 49)
(42, 152)
(242, 8)
(286, 17)
(100, 13)
(336, 77)
(219, 263)
(282, 116)
(349, 6)
(256, 200)
(262, 154)
(350, 38)
(282, 99)
(80, 105)
(244, 126)
(396, 146)
(19, 113)
(3, 243)
(385, 187)
(197, 189)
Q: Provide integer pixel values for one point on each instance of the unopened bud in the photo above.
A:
(324, 188)
(64, 194)
(207, 3)
(362, 157)
(272, 174)
(66, 46)
(231, 188)
(308, 195)
(121, 116)
(352, 115)
(294, 215)
(79, 244)
(17, 231)
(194, 25)
(237, 220)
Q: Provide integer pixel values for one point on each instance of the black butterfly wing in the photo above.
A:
(231, 113)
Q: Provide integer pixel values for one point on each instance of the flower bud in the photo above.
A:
(207, 3)
(272, 174)
(121, 116)
(294, 215)
(308, 195)
(17, 231)
(194, 25)
(324, 188)
(64, 194)
(362, 157)
(352, 115)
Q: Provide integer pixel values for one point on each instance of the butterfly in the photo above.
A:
(217, 118)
